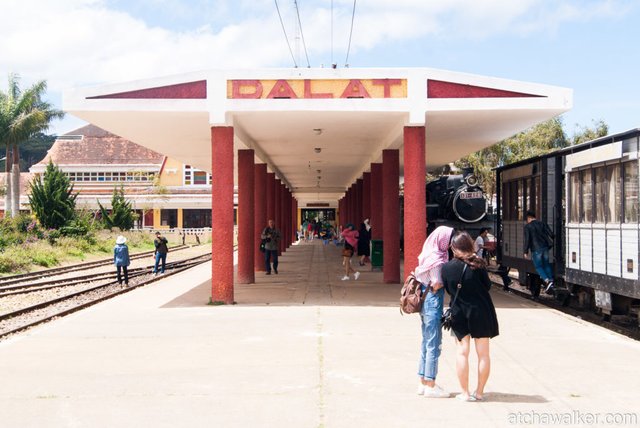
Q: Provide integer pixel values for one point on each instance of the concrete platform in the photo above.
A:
(303, 349)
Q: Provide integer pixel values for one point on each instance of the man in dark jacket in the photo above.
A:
(538, 238)
(271, 237)
(160, 253)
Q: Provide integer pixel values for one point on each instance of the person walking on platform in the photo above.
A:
(271, 237)
(430, 261)
(474, 316)
(538, 238)
(121, 259)
(160, 254)
(364, 240)
(350, 236)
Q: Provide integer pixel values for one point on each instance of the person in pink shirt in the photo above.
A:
(350, 236)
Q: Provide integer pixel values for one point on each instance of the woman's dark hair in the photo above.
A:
(462, 247)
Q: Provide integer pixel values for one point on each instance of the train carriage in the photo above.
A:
(588, 194)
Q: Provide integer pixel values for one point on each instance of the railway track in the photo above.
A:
(41, 312)
(46, 273)
(616, 324)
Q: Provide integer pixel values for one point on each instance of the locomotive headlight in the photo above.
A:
(471, 180)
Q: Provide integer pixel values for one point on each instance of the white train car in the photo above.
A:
(589, 195)
(602, 220)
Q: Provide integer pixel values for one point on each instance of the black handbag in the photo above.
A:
(447, 318)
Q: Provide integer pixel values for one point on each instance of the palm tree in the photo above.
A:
(22, 114)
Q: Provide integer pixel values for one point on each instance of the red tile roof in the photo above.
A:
(93, 145)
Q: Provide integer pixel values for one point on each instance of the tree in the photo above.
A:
(121, 216)
(537, 140)
(23, 114)
(52, 199)
(584, 133)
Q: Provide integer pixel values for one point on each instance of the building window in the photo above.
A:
(169, 218)
(131, 176)
(195, 177)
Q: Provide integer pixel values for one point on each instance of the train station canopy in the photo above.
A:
(318, 129)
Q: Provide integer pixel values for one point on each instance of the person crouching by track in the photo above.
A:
(435, 253)
(472, 310)
(160, 254)
(121, 259)
(271, 237)
(350, 236)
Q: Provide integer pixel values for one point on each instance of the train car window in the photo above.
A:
(614, 194)
(631, 192)
(505, 202)
(600, 200)
(525, 194)
(587, 196)
(534, 197)
(574, 197)
(520, 200)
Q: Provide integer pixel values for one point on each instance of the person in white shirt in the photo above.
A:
(479, 244)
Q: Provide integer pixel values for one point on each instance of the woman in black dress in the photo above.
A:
(474, 315)
(363, 242)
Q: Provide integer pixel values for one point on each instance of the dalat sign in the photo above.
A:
(309, 89)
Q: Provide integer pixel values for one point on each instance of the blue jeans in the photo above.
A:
(431, 335)
(268, 255)
(163, 257)
(540, 260)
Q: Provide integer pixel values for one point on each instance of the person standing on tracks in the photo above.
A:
(474, 315)
(121, 259)
(271, 237)
(160, 254)
(435, 253)
(538, 238)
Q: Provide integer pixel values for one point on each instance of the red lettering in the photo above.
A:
(282, 89)
(355, 89)
(309, 94)
(239, 89)
(387, 83)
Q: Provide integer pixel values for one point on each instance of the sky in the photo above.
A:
(590, 46)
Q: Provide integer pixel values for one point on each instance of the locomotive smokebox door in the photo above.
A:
(469, 204)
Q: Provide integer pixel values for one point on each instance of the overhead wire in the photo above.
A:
(353, 15)
(304, 44)
(285, 35)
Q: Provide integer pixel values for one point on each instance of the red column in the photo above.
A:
(415, 215)
(366, 196)
(294, 218)
(359, 193)
(260, 220)
(277, 191)
(246, 216)
(376, 201)
(222, 215)
(271, 198)
(391, 216)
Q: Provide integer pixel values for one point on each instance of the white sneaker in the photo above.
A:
(356, 275)
(435, 392)
(421, 388)
(345, 278)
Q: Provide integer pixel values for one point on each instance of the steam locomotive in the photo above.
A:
(458, 201)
